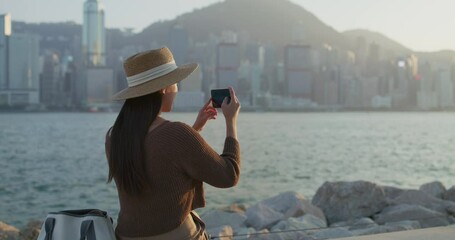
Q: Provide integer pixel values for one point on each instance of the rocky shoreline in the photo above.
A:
(338, 209)
(30, 232)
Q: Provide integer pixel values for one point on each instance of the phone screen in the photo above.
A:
(218, 96)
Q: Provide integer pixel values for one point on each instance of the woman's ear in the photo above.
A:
(163, 91)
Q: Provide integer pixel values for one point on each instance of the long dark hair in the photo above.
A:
(126, 159)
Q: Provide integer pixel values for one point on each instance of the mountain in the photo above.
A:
(66, 35)
(265, 21)
(385, 43)
(444, 56)
(388, 44)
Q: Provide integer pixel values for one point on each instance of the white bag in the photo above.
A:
(83, 224)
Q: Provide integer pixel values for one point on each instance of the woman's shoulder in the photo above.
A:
(180, 127)
(172, 133)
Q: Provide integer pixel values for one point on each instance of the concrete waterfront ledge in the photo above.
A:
(437, 233)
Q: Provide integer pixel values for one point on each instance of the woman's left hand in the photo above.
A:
(206, 113)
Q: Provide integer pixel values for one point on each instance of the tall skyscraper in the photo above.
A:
(94, 35)
(5, 33)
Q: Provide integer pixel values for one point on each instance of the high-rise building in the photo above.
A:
(326, 90)
(444, 85)
(19, 61)
(22, 87)
(252, 52)
(268, 61)
(372, 69)
(68, 82)
(23, 61)
(250, 75)
(298, 33)
(354, 94)
(50, 80)
(299, 65)
(404, 89)
(360, 51)
(100, 84)
(228, 63)
(93, 35)
(178, 43)
(426, 96)
(5, 33)
(452, 73)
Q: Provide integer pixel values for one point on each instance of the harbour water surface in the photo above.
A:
(56, 161)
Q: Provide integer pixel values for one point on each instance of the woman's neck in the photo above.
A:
(158, 121)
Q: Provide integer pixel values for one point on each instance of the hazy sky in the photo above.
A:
(422, 25)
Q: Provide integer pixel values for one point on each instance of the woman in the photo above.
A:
(158, 165)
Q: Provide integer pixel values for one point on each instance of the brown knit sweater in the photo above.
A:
(178, 161)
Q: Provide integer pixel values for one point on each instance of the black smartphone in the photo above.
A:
(218, 95)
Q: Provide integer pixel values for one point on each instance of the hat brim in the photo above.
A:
(156, 84)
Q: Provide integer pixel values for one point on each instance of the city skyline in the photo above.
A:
(419, 18)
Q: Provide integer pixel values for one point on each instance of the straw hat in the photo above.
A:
(150, 71)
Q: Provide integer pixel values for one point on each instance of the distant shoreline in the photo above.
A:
(243, 109)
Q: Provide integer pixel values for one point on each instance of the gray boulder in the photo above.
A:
(378, 229)
(283, 206)
(426, 217)
(388, 227)
(392, 192)
(260, 216)
(8, 232)
(222, 232)
(342, 201)
(314, 221)
(216, 218)
(332, 233)
(240, 208)
(356, 224)
(406, 225)
(264, 234)
(305, 222)
(243, 232)
(368, 231)
(435, 189)
(449, 195)
(451, 220)
(31, 231)
(416, 197)
(288, 235)
(293, 204)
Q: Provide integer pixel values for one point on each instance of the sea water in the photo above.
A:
(56, 161)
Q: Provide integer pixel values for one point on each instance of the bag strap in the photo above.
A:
(49, 228)
(82, 213)
(87, 230)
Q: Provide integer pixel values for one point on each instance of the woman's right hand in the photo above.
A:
(231, 109)
(230, 112)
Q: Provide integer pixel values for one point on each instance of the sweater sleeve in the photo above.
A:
(201, 162)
